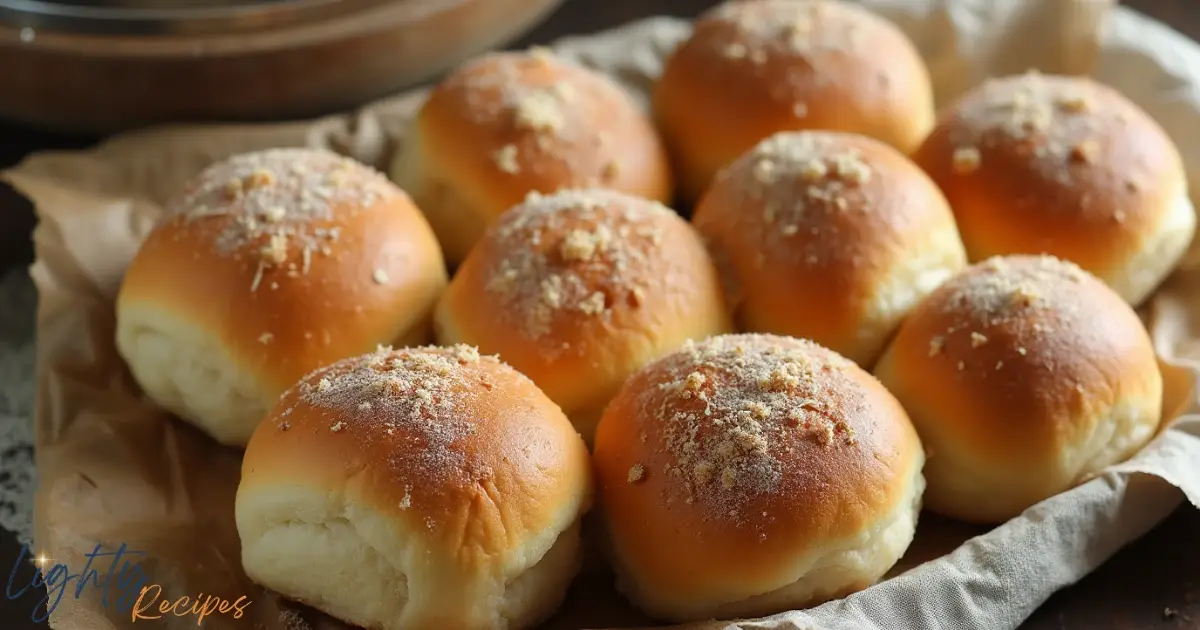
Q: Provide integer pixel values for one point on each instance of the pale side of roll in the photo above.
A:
(511, 123)
(754, 68)
(267, 266)
(1043, 164)
(1025, 376)
(579, 289)
(748, 475)
(828, 236)
(413, 489)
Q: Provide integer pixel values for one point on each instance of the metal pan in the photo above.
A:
(91, 66)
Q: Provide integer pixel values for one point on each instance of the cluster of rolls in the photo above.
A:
(873, 309)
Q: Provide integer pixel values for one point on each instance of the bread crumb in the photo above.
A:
(564, 91)
(234, 189)
(735, 51)
(552, 292)
(1024, 296)
(582, 245)
(540, 111)
(593, 305)
(1085, 152)
(406, 500)
(800, 110)
(466, 354)
(337, 427)
(274, 214)
(265, 338)
(813, 169)
(637, 297)
(978, 339)
(379, 276)
(637, 473)
(731, 406)
(574, 251)
(506, 159)
(1021, 351)
(936, 345)
(966, 160)
(1074, 103)
(258, 179)
(851, 169)
(764, 171)
(275, 252)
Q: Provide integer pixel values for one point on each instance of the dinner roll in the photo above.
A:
(828, 236)
(1037, 164)
(1024, 375)
(268, 266)
(756, 67)
(751, 474)
(514, 122)
(413, 489)
(580, 288)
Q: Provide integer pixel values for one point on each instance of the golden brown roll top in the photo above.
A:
(579, 289)
(751, 474)
(416, 488)
(507, 124)
(1065, 166)
(268, 266)
(757, 67)
(828, 236)
(1023, 375)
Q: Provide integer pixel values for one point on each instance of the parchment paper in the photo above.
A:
(114, 470)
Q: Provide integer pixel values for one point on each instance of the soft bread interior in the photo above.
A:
(185, 370)
(833, 569)
(1137, 277)
(1124, 430)
(910, 280)
(379, 573)
(457, 216)
(966, 485)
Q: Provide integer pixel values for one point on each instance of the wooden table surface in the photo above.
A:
(1152, 584)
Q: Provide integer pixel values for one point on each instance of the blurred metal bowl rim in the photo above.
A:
(362, 19)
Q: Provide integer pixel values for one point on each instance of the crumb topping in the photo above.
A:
(732, 411)
(506, 159)
(575, 251)
(758, 31)
(1049, 122)
(1014, 299)
(803, 181)
(637, 473)
(966, 160)
(274, 206)
(550, 106)
(424, 394)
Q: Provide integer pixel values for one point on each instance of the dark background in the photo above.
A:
(1153, 584)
